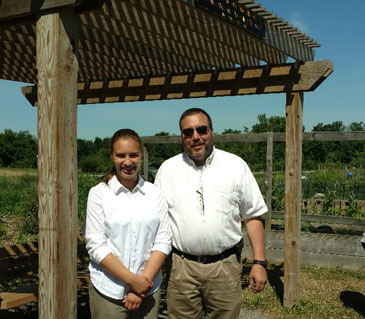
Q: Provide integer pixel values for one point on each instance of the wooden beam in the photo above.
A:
(145, 163)
(293, 193)
(57, 38)
(262, 137)
(254, 80)
(269, 151)
(21, 8)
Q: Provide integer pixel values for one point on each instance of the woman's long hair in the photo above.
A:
(124, 134)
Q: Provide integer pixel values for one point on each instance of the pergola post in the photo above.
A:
(293, 194)
(269, 150)
(57, 65)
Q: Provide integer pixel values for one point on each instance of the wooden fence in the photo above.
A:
(269, 138)
(316, 249)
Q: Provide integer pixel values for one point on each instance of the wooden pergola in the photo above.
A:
(95, 51)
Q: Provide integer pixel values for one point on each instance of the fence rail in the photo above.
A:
(269, 138)
(316, 249)
(324, 219)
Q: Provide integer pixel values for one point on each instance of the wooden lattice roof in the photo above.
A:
(135, 38)
(140, 50)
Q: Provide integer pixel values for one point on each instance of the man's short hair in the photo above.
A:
(196, 110)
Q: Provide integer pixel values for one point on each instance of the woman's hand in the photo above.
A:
(132, 301)
(140, 285)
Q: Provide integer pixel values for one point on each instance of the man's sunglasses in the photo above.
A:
(201, 130)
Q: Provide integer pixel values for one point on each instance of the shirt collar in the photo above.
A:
(117, 187)
(192, 163)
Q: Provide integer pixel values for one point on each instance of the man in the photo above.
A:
(208, 192)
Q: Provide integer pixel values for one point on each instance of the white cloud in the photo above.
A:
(297, 21)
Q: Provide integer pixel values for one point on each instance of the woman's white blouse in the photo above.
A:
(129, 224)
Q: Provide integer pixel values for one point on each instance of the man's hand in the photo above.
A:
(258, 278)
(132, 301)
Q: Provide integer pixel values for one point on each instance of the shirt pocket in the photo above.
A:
(225, 200)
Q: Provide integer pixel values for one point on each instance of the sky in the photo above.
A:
(340, 29)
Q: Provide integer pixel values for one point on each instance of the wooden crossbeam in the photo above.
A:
(256, 80)
(13, 10)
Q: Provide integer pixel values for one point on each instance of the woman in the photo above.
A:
(127, 235)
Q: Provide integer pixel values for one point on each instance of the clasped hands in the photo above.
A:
(140, 286)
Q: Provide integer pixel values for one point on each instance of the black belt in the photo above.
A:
(208, 259)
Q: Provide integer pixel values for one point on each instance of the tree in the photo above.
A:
(336, 126)
(230, 131)
(271, 124)
(162, 134)
(18, 149)
(84, 148)
(356, 126)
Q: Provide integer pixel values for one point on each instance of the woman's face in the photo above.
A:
(126, 157)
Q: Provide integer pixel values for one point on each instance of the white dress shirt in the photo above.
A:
(129, 224)
(206, 204)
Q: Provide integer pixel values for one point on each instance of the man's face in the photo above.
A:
(197, 137)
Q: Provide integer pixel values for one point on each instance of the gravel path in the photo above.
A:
(249, 314)
(245, 314)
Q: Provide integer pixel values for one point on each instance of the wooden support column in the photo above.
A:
(145, 163)
(57, 38)
(269, 149)
(293, 194)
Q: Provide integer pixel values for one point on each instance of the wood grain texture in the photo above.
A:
(269, 151)
(57, 38)
(293, 193)
(326, 250)
(232, 82)
(139, 38)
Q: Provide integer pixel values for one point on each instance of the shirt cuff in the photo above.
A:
(100, 254)
(164, 248)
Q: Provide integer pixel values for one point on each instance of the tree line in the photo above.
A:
(19, 149)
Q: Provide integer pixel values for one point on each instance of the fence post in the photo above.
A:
(57, 65)
(293, 194)
(145, 163)
(269, 150)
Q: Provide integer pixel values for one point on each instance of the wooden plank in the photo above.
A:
(19, 297)
(114, 45)
(192, 82)
(321, 219)
(334, 136)
(269, 150)
(145, 163)
(200, 22)
(29, 294)
(57, 38)
(23, 8)
(10, 8)
(155, 35)
(261, 137)
(293, 193)
(327, 250)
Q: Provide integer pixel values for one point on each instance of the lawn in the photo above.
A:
(325, 293)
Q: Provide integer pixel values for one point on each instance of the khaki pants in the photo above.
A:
(102, 307)
(195, 290)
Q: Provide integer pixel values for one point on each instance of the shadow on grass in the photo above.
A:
(274, 272)
(30, 310)
(354, 300)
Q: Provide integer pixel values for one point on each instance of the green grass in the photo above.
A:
(18, 198)
(324, 293)
(19, 204)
